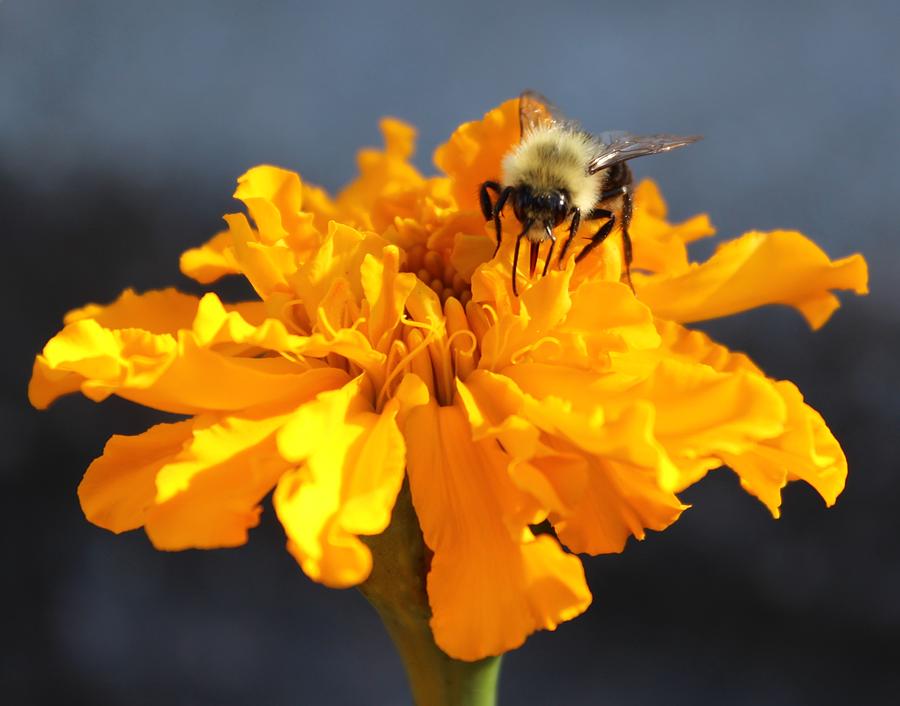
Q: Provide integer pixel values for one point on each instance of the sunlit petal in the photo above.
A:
(780, 267)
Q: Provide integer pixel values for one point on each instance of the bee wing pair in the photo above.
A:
(535, 111)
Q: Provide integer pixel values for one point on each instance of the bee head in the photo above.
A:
(550, 207)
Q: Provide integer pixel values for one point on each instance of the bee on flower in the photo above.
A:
(389, 347)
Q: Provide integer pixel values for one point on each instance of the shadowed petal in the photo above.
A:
(491, 582)
(805, 450)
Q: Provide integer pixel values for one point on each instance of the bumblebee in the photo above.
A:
(558, 171)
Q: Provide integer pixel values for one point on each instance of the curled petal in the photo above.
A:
(491, 583)
(475, 150)
(517, 333)
(212, 260)
(214, 324)
(620, 500)
(622, 322)
(169, 373)
(697, 412)
(194, 484)
(383, 174)
(338, 259)
(660, 246)
(781, 267)
(160, 311)
(208, 495)
(386, 291)
(273, 196)
(601, 479)
(805, 450)
(284, 209)
(268, 267)
(119, 487)
(351, 469)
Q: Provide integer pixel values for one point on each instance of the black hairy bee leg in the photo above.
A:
(573, 229)
(601, 234)
(498, 208)
(515, 263)
(484, 198)
(492, 210)
(628, 255)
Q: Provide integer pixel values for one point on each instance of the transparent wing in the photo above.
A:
(535, 111)
(617, 147)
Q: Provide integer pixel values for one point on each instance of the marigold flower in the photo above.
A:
(387, 344)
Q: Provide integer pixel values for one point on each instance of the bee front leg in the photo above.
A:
(515, 263)
(601, 234)
(628, 255)
(498, 208)
(491, 210)
(573, 229)
(484, 198)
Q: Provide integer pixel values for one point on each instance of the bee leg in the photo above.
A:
(628, 255)
(612, 193)
(491, 210)
(573, 229)
(601, 234)
(515, 263)
(484, 198)
(498, 207)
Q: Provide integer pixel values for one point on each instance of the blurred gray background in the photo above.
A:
(122, 128)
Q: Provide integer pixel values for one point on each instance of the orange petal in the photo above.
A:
(386, 291)
(159, 371)
(781, 267)
(806, 449)
(215, 324)
(602, 485)
(620, 500)
(470, 251)
(382, 174)
(212, 260)
(339, 258)
(491, 583)
(268, 267)
(273, 196)
(698, 413)
(209, 494)
(475, 151)
(351, 470)
(160, 311)
(195, 484)
(660, 246)
(119, 487)
(622, 323)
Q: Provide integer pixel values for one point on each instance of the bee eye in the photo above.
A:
(560, 208)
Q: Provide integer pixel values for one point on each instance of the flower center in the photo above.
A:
(438, 346)
(437, 272)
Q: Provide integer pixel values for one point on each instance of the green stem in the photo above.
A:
(396, 589)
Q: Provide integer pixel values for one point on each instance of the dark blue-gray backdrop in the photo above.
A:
(122, 128)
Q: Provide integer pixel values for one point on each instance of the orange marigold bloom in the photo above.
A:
(387, 344)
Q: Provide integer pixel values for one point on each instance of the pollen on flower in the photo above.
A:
(385, 344)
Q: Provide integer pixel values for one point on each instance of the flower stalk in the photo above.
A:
(396, 589)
